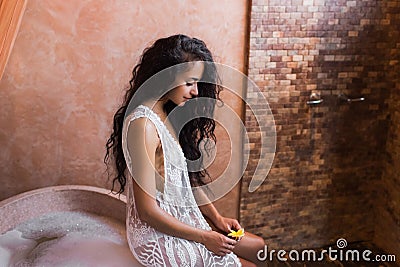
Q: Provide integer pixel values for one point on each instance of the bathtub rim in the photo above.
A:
(55, 188)
(80, 198)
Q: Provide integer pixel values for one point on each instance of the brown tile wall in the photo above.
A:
(328, 163)
(387, 227)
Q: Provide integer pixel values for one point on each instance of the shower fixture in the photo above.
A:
(347, 99)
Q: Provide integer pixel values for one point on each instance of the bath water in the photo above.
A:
(66, 239)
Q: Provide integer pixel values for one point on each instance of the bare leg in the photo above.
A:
(248, 247)
(246, 263)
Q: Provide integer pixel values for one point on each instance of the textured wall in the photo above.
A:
(69, 66)
(387, 233)
(327, 169)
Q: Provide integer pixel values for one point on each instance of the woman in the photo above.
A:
(165, 227)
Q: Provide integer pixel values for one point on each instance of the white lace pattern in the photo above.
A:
(149, 246)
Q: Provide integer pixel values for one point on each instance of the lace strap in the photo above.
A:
(171, 150)
(162, 127)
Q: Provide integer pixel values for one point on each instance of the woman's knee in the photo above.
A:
(259, 242)
(246, 263)
(256, 242)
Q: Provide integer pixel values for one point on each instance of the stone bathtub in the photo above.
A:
(84, 223)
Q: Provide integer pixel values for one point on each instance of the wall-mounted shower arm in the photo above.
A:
(344, 97)
(313, 102)
(315, 98)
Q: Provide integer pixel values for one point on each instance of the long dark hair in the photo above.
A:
(165, 53)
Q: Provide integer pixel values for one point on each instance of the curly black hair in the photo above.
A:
(165, 53)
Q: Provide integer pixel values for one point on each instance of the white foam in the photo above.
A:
(66, 239)
(13, 247)
(77, 250)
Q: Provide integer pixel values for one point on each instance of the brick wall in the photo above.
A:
(328, 162)
(387, 227)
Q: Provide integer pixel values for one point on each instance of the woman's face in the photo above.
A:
(187, 84)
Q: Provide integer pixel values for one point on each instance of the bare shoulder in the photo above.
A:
(144, 131)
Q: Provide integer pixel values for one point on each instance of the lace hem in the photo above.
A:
(154, 248)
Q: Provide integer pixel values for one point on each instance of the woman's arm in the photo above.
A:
(210, 212)
(142, 144)
(222, 223)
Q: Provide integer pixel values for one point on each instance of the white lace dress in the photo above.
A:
(154, 248)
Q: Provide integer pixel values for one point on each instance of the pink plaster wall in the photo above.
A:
(65, 76)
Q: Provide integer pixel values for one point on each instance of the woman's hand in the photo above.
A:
(218, 243)
(226, 224)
